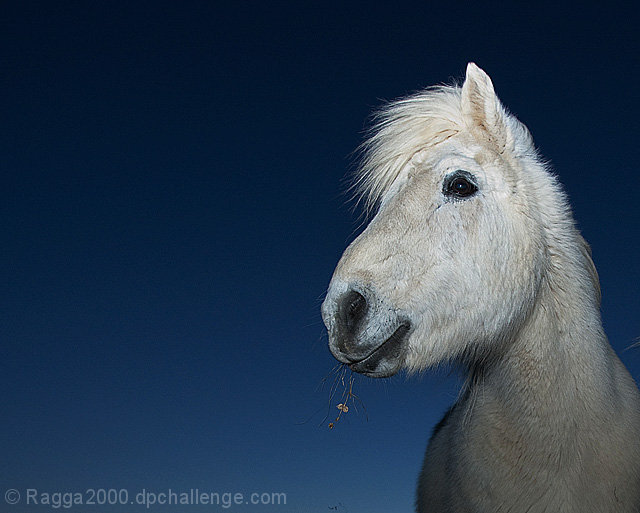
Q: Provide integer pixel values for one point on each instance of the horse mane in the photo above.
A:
(402, 128)
(399, 130)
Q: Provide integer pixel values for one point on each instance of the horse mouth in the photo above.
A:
(386, 359)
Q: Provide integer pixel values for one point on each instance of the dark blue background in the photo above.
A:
(172, 209)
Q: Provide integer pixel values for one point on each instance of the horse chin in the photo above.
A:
(387, 359)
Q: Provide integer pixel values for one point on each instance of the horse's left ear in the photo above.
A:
(482, 111)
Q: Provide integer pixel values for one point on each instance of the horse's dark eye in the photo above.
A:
(459, 185)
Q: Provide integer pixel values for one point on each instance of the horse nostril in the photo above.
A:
(353, 308)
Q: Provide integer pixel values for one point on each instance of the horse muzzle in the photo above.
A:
(364, 332)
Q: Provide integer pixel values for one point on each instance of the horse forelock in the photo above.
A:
(401, 129)
(404, 127)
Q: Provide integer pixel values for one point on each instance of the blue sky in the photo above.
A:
(173, 206)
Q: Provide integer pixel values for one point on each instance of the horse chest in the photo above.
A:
(478, 465)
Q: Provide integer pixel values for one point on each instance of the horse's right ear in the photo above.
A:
(482, 111)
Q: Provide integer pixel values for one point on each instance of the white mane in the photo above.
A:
(404, 127)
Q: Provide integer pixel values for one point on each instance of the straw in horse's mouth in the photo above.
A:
(389, 349)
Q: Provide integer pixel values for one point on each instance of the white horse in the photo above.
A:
(473, 258)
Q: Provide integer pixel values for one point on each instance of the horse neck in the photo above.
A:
(559, 370)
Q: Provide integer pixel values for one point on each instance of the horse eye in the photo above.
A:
(460, 185)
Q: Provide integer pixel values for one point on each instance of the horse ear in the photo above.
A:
(482, 111)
